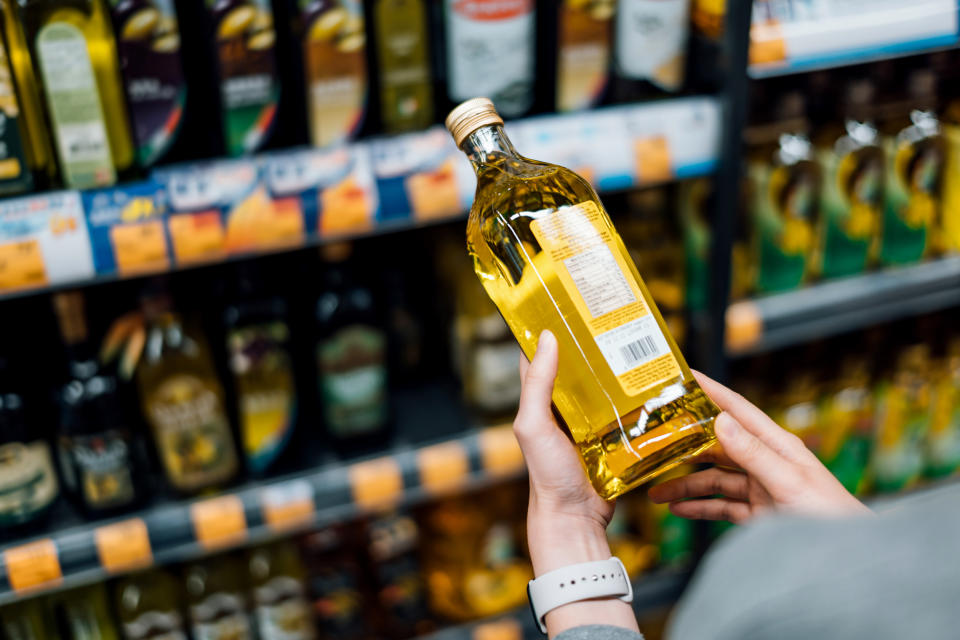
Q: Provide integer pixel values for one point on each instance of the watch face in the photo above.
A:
(533, 612)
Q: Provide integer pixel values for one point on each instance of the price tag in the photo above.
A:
(443, 466)
(197, 237)
(506, 629)
(767, 45)
(285, 226)
(288, 505)
(652, 157)
(376, 483)
(140, 247)
(124, 545)
(434, 194)
(33, 565)
(21, 265)
(219, 522)
(500, 451)
(744, 325)
(344, 208)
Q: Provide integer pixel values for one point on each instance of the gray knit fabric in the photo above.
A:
(598, 632)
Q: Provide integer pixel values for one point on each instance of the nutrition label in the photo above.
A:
(594, 273)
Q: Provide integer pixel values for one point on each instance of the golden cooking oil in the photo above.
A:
(549, 257)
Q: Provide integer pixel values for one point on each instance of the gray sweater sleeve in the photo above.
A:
(599, 632)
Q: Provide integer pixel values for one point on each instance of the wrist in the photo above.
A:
(557, 541)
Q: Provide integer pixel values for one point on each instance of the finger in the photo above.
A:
(751, 417)
(731, 484)
(750, 453)
(733, 511)
(537, 389)
(714, 455)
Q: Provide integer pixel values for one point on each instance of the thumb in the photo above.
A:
(537, 386)
(749, 452)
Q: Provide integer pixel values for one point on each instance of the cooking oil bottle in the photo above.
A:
(403, 56)
(549, 257)
(583, 52)
(76, 58)
(15, 175)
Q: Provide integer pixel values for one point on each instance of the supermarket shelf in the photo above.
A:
(183, 530)
(832, 34)
(651, 592)
(190, 215)
(842, 305)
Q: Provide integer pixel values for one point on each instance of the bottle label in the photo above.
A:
(75, 110)
(584, 53)
(98, 467)
(583, 247)
(265, 387)
(148, 41)
(192, 432)
(155, 625)
(353, 380)
(851, 197)
(902, 423)
(221, 616)
(336, 69)
(496, 379)
(490, 52)
(405, 86)
(651, 41)
(282, 612)
(28, 482)
(14, 173)
(249, 89)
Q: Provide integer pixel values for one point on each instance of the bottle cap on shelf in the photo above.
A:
(469, 116)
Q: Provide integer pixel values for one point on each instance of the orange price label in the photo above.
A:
(744, 325)
(197, 237)
(767, 45)
(500, 451)
(285, 225)
(506, 629)
(33, 565)
(344, 208)
(652, 157)
(443, 466)
(219, 522)
(376, 483)
(288, 505)
(434, 194)
(123, 546)
(21, 265)
(140, 247)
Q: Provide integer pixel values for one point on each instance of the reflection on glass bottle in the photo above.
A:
(183, 402)
(148, 606)
(216, 600)
(99, 456)
(279, 593)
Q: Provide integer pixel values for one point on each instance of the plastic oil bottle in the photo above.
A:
(549, 257)
(75, 57)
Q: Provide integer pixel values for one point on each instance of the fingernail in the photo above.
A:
(546, 341)
(727, 428)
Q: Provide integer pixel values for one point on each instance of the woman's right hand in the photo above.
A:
(760, 468)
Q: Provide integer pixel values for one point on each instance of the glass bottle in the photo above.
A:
(583, 52)
(75, 55)
(279, 596)
(99, 456)
(148, 606)
(84, 614)
(216, 600)
(24, 621)
(336, 583)
(549, 257)
(403, 64)
(393, 542)
(650, 48)
(16, 170)
(183, 402)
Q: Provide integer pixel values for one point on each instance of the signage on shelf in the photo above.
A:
(123, 546)
(219, 522)
(33, 565)
(500, 451)
(443, 467)
(127, 228)
(288, 505)
(376, 484)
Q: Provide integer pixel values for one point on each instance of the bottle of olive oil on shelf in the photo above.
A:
(583, 52)
(149, 45)
(943, 439)
(183, 402)
(76, 58)
(216, 599)
(34, 135)
(335, 68)
(491, 50)
(403, 64)
(24, 621)
(278, 589)
(650, 48)
(148, 606)
(15, 169)
(244, 36)
(849, 153)
(549, 257)
(84, 614)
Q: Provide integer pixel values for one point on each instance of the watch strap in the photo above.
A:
(584, 581)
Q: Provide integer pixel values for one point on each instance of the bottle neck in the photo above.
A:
(489, 145)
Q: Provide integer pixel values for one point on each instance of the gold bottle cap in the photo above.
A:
(469, 116)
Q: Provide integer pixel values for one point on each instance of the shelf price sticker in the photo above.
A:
(197, 237)
(140, 247)
(652, 157)
(123, 546)
(219, 522)
(376, 483)
(506, 629)
(500, 451)
(289, 505)
(33, 565)
(443, 466)
(21, 265)
(744, 325)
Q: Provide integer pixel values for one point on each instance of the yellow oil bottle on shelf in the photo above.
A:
(75, 56)
(549, 257)
(403, 55)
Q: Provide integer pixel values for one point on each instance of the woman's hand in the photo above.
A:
(761, 468)
(566, 519)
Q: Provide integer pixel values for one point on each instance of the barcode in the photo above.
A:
(639, 350)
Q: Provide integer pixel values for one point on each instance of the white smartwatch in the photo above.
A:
(585, 581)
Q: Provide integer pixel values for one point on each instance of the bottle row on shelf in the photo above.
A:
(399, 574)
(107, 88)
(185, 215)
